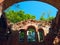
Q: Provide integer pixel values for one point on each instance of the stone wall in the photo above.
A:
(55, 3)
(37, 24)
(55, 23)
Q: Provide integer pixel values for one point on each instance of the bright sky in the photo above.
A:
(36, 8)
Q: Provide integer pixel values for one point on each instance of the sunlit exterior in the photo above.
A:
(29, 32)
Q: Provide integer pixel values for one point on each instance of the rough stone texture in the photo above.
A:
(37, 24)
(55, 3)
(55, 26)
(49, 37)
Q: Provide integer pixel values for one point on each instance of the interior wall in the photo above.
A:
(8, 3)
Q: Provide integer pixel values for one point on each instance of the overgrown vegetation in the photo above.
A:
(15, 16)
(50, 18)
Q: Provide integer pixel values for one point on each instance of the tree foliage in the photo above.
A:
(42, 17)
(50, 18)
(16, 16)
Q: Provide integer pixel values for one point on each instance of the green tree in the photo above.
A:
(50, 18)
(13, 16)
(29, 16)
(42, 17)
(16, 16)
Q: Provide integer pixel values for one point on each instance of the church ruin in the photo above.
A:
(51, 36)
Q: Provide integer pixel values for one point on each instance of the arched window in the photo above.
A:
(40, 35)
(21, 35)
(31, 34)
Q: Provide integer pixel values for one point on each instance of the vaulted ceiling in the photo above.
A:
(55, 3)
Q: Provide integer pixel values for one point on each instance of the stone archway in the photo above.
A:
(40, 35)
(55, 3)
(22, 36)
(31, 35)
(56, 22)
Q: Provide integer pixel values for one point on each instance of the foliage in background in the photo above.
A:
(16, 16)
(50, 18)
(42, 17)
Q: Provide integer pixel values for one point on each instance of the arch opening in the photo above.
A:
(22, 35)
(31, 34)
(33, 9)
(40, 35)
